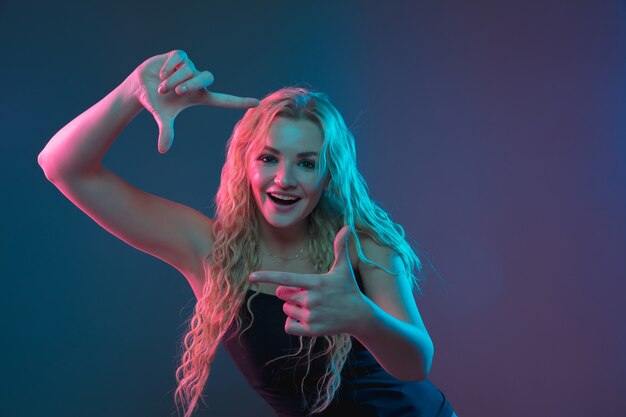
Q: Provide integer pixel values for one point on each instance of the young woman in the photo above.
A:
(301, 276)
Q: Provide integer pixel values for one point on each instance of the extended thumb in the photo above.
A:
(340, 245)
(166, 134)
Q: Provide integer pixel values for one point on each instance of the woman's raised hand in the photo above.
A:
(169, 83)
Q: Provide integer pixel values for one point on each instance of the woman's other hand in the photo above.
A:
(168, 83)
(320, 304)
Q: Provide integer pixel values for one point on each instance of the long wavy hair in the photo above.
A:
(235, 252)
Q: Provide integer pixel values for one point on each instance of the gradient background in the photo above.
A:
(494, 131)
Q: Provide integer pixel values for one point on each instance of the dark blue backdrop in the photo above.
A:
(492, 130)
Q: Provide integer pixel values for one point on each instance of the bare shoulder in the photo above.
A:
(386, 281)
(379, 254)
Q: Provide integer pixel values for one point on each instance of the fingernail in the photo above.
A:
(183, 89)
(162, 89)
(252, 277)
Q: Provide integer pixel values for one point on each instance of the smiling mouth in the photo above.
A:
(283, 201)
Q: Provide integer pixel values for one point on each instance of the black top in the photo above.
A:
(366, 389)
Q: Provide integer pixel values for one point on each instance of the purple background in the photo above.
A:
(494, 131)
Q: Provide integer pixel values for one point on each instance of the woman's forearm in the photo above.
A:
(405, 351)
(79, 146)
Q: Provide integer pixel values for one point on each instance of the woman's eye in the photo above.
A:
(268, 159)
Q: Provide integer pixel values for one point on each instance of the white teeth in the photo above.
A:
(283, 197)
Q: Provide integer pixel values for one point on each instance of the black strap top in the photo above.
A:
(366, 390)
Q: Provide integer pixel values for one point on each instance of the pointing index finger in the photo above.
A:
(282, 278)
(230, 101)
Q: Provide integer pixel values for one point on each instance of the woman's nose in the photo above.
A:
(284, 178)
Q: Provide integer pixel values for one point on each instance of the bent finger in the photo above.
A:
(296, 328)
(174, 61)
(294, 311)
(287, 293)
(182, 75)
(200, 81)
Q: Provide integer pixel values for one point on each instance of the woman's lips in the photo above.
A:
(283, 202)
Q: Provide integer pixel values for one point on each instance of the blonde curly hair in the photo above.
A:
(235, 252)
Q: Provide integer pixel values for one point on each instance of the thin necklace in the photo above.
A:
(285, 259)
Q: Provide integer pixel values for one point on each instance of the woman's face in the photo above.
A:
(282, 172)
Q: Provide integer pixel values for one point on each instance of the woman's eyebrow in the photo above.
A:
(300, 155)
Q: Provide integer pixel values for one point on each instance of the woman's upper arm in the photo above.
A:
(392, 293)
(172, 232)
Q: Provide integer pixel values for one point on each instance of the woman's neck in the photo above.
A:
(283, 242)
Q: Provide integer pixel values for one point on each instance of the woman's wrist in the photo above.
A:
(363, 317)
(127, 96)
